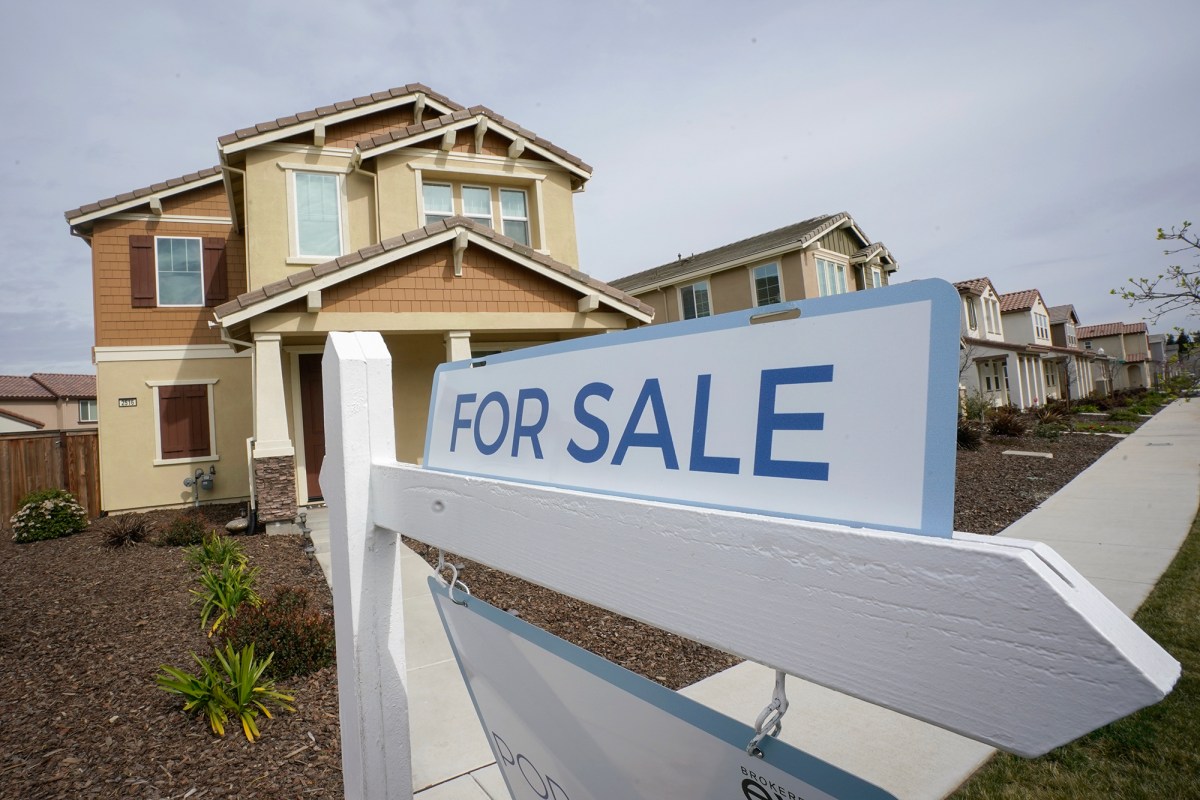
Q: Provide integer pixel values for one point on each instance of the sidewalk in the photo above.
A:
(1119, 523)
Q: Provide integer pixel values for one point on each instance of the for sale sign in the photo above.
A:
(838, 409)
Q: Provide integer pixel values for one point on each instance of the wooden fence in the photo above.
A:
(52, 460)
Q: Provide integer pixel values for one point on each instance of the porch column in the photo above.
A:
(274, 454)
(1016, 391)
(1038, 368)
(458, 345)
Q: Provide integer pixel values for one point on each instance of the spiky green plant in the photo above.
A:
(225, 588)
(214, 551)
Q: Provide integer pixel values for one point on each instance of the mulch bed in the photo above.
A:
(85, 629)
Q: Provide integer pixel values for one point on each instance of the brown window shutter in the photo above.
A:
(216, 281)
(183, 421)
(141, 272)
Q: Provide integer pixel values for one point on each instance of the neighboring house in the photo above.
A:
(47, 401)
(1074, 364)
(987, 362)
(817, 257)
(1123, 354)
(449, 230)
(1159, 366)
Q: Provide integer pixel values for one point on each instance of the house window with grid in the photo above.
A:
(694, 301)
(766, 285)
(1041, 325)
(972, 316)
(831, 277)
(477, 204)
(87, 411)
(438, 200)
(318, 229)
(180, 271)
(1071, 340)
(514, 215)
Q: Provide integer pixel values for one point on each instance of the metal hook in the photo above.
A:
(443, 564)
(770, 721)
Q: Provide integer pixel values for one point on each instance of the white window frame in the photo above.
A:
(876, 278)
(421, 199)
(454, 178)
(95, 411)
(754, 282)
(692, 286)
(491, 220)
(972, 314)
(1071, 340)
(158, 294)
(294, 254)
(837, 275)
(525, 219)
(159, 461)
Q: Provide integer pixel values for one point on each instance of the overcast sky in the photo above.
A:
(1040, 144)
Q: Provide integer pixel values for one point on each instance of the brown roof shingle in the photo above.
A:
(799, 233)
(19, 387)
(67, 385)
(324, 111)
(1110, 329)
(303, 277)
(975, 286)
(1061, 314)
(145, 191)
(1019, 301)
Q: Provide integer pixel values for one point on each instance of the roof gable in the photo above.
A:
(789, 237)
(1023, 300)
(976, 286)
(137, 197)
(1061, 314)
(275, 295)
(34, 424)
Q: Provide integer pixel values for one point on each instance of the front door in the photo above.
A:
(312, 410)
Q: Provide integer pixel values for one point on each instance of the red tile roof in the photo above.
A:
(1019, 301)
(336, 108)
(66, 385)
(1109, 329)
(18, 387)
(974, 285)
(294, 280)
(145, 191)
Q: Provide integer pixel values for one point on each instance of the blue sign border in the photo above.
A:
(937, 503)
(781, 755)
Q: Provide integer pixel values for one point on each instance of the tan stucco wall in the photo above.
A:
(128, 477)
(730, 290)
(53, 414)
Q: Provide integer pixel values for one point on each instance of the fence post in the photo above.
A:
(367, 595)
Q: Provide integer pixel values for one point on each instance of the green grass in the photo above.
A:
(1151, 755)
(1103, 427)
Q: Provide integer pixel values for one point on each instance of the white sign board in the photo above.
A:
(839, 409)
(565, 724)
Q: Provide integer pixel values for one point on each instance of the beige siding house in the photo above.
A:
(47, 401)
(815, 258)
(450, 230)
(1123, 353)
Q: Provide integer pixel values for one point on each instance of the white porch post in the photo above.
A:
(367, 592)
(1016, 391)
(270, 415)
(458, 345)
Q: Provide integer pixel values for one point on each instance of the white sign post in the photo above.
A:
(999, 640)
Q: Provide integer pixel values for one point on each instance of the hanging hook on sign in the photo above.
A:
(770, 721)
(443, 564)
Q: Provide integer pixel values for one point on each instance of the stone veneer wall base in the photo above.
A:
(275, 486)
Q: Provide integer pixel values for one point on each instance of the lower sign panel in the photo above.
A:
(565, 724)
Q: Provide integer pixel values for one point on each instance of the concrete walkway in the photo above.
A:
(1119, 523)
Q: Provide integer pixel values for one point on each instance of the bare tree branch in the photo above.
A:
(1178, 287)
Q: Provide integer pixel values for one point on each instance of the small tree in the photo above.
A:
(1185, 343)
(1178, 287)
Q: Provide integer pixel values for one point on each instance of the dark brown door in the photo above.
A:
(312, 409)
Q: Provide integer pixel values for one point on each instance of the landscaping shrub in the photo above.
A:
(1123, 415)
(48, 515)
(975, 406)
(1049, 430)
(1102, 427)
(234, 684)
(1006, 421)
(289, 626)
(1048, 415)
(126, 530)
(214, 551)
(1087, 408)
(186, 529)
(969, 437)
(226, 588)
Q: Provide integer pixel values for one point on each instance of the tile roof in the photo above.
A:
(1109, 329)
(249, 299)
(4, 412)
(799, 234)
(145, 191)
(1019, 301)
(465, 114)
(974, 285)
(67, 385)
(19, 387)
(1061, 314)
(336, 108)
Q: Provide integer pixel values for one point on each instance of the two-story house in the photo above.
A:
(47, 401)
(818, 257)
(1075, 374)
(449, 230)
(1123, 353)
(986, 360)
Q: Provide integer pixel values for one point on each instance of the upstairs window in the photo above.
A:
(693, 300)
(514, 215)
(766, 285)
(1071, 340)
(477, 204)
(1041, 326)
(179, 271)
(972, 315)
(439, 201)
(87, 411)
(831, 277)
(318, 226)
(876, 278)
